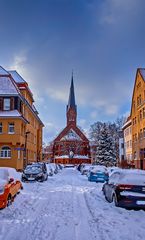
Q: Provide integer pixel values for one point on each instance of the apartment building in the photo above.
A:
(20, 125)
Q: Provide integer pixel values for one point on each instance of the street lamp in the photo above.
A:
(25, 149)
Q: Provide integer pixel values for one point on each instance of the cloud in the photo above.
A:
(19, 62)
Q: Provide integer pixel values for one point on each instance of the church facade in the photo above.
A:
(71, 146)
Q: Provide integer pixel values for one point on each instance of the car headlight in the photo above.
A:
(1, 190)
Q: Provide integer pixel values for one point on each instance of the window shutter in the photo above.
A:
(12, 104)
(1, 104)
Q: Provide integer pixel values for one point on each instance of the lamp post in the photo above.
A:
(25, 149)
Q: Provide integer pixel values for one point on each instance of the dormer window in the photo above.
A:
(7, 104)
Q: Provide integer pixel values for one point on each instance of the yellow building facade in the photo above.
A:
(20, 125)
(138, 120)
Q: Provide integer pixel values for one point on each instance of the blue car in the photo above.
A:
(98, 174)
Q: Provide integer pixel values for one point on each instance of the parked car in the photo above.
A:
(9, 187)
(35, 172)
(54, 168)
(60, 166)
(85, 169)
(49, 170)
(126, 188)
(98, 174)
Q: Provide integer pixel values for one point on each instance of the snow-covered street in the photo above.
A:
(68, 207)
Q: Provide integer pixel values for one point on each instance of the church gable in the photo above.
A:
(71, 135)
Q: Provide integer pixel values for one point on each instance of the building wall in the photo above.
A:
(15, 141)
(128, 143)
(138, 122)
(27, 131)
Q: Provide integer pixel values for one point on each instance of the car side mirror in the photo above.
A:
(11, 180)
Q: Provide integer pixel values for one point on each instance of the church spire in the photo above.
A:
(71, 101)
(71, 107)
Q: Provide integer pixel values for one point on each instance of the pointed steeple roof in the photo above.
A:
(71, 101)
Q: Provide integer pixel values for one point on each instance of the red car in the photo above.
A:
(9, 187)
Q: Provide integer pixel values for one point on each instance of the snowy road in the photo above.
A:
(68, 207)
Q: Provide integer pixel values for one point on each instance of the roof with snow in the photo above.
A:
(71, 135)
(17, 77)
(7, 86)
(3, 71)
(75, 156)
(13, 113)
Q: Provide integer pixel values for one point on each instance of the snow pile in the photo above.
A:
(9, 173)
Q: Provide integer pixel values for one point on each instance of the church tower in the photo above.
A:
(71, 146)
(71, 110)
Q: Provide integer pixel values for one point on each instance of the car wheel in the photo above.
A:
(114, 200)
(9, 201)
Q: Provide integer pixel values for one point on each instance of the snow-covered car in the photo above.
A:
(9, 187)
(98, 174)
(35, 172)
(126, 188)
(50, 170)
(85, 169)
(60, 166)
(112, 169)
(54, 168)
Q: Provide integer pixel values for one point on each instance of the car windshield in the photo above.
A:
(33, 169)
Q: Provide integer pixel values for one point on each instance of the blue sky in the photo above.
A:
(103, 41)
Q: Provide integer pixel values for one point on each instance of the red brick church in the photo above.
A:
(71, 146)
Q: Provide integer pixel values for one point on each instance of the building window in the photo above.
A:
(5, 152)
(140, 114)
(11, 128)
(143, 112)
(1, 104)
(135, 120)
(6, 104)
(1, 128)
(137, 101)
(144, 133)
(136, 137)
(134, 105)
(140, 99)
(122, 145)
(141, 134)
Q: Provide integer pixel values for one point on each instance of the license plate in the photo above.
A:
(140, 202)
(31, 179)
